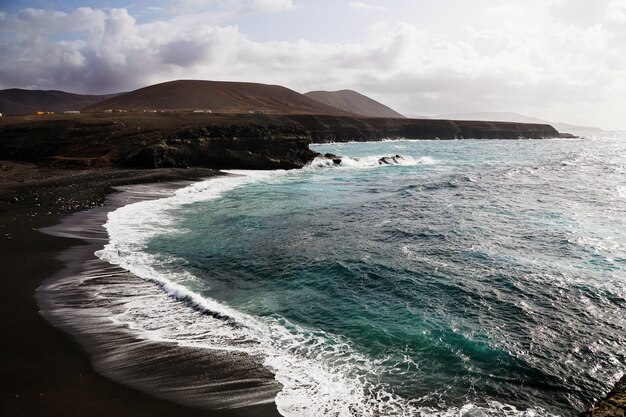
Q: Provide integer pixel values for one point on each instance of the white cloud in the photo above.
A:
(359, 5)
(616, 12)
(272, 6)
(575, 66)
(508, 10)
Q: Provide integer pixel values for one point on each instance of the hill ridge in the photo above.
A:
(219, 97)
(19, 101)
(354, 102)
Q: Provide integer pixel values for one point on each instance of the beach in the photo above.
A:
(201, 329)
(46, 370)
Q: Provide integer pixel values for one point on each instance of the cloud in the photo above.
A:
(571, 65)
(272, 6)
(359, 5)
(233, 8)
(508, 10)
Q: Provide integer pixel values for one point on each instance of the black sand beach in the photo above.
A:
(45, 371)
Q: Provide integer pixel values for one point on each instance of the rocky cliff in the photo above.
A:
(342, 129)
(155, 140)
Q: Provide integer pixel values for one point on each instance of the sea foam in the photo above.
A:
(321, 373)
(369, 161)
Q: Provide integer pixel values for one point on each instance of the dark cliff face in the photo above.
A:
(154, 140)
(222, 147)
(341, 129)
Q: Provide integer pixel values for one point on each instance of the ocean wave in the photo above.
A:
(368, 161)
(321, 373)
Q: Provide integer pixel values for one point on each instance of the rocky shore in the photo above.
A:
(70, 164)
(324, 129)
(246, 141)
(45, 371)
(614, 405)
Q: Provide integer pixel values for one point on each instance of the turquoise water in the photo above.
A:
(479, 277)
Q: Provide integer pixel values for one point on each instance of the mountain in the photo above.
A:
(353, 102)
(219, 97)
(15, 101)
(519, 118)
(415, 116)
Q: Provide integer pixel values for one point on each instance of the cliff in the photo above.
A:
(246, 141)
(154, 141)
(343, 129)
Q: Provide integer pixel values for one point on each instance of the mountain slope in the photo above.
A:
(353, 102)
(219, 97)
(519, 118)
(16, 101)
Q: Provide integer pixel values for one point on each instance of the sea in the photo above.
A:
(453, 278)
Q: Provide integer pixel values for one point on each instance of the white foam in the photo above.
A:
(321, 373)
(369, 161)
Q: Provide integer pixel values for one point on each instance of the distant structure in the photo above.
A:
(0, 114)
(255, 112)
(202, 111)
(43, 113)
(71, 112)
(108, 111)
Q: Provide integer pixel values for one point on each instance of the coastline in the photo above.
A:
(45, 368)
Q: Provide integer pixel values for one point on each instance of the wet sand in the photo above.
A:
(45, 371)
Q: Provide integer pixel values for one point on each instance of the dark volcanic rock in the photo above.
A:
(614, 405)
(325, 129)
(249, 147)
(160, 140)
(155, 141)
(389, 160)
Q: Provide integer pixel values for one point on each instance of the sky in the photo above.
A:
(559, 60)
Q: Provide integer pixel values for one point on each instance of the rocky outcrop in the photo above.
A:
(156, 142)
(219, 147)
(325, 129)
(390, 160)
(247, 141)
(614, 405)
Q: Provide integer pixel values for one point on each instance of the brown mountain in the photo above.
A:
(219, 97)
(15, 101)
(353, 102)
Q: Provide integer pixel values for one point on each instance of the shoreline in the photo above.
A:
(46, 370)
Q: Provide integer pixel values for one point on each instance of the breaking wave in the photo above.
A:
(322, 374)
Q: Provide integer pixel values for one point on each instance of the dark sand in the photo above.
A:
(44, 370)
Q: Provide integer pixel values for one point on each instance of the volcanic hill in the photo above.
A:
(218, 97)
(17, 102)
(353, 102)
